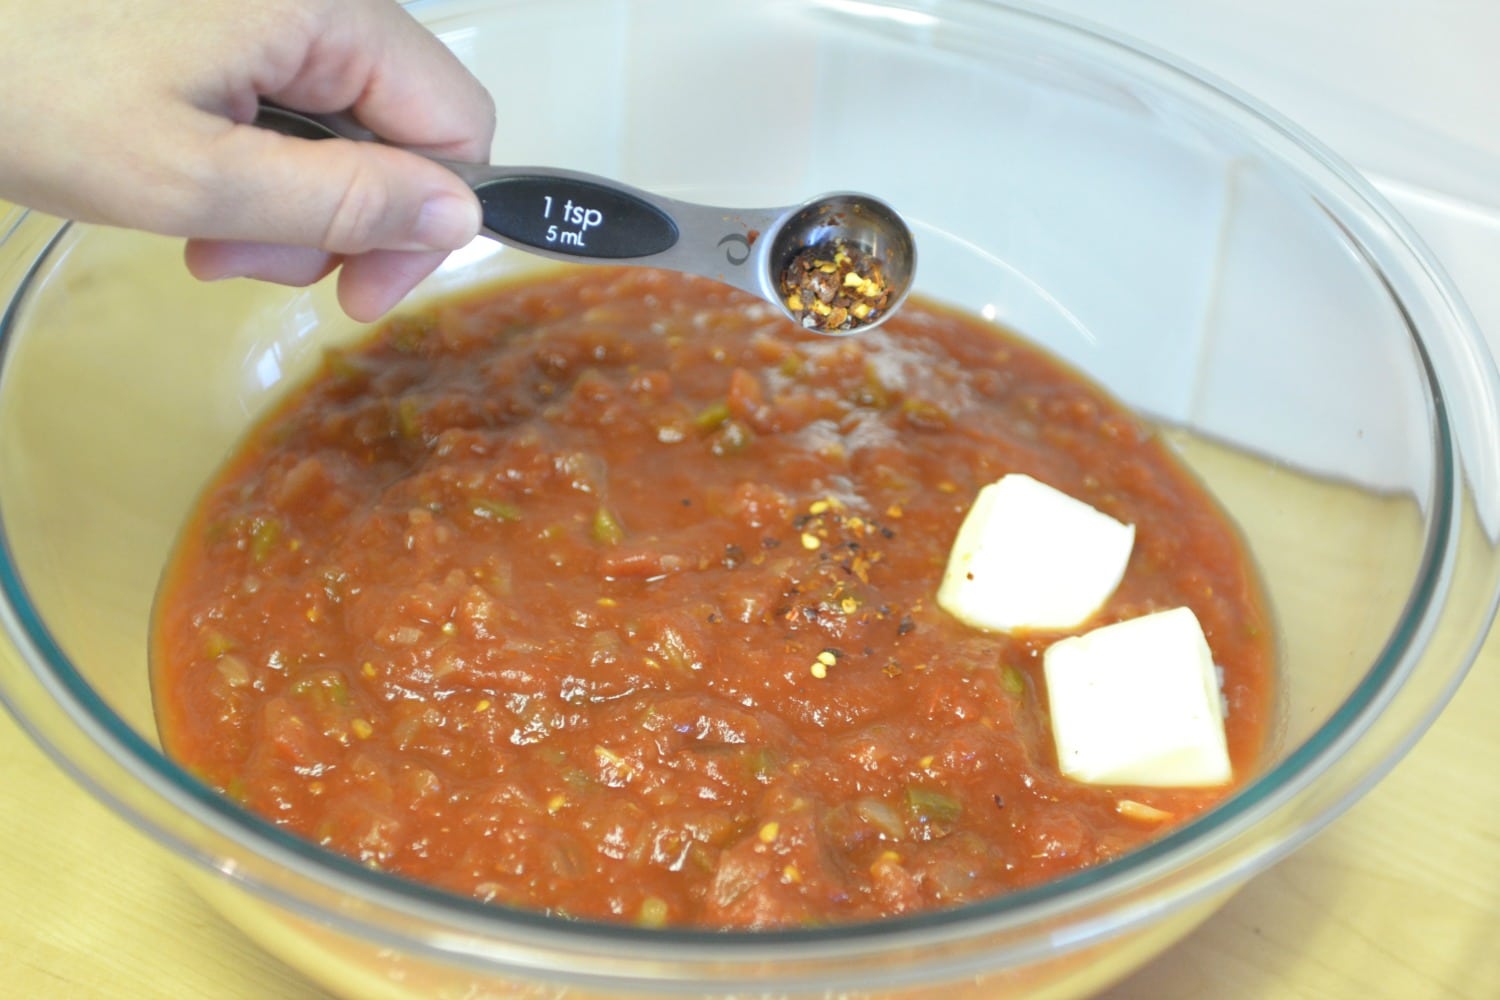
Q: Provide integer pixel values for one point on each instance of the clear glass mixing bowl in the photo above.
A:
(1200, 257)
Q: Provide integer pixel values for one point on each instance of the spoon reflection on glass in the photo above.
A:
(838, 264)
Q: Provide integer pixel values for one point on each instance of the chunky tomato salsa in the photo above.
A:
(611, 595)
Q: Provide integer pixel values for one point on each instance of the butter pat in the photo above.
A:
(1030, 556)
(1138, 703)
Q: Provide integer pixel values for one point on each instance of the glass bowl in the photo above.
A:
(1204, 260)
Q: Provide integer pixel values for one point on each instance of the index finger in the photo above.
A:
(398, 78)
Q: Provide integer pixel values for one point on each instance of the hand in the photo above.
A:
(137, 114)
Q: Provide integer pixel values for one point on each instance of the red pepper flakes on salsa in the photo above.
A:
(612, 595)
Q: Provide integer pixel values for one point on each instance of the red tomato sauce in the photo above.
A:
(611, 595)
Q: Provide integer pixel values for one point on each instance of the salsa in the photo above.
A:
(610, 594)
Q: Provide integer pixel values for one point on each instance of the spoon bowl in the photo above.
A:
(858, 235)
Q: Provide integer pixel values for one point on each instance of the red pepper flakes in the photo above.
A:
(835, 287)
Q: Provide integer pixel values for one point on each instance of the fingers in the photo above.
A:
(372, 284)
(369, 285)
(339, 196)
(382, 216)
(215, 260)
(398, 78)
(183, 163)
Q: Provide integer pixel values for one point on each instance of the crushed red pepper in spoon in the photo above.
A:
(835, 286)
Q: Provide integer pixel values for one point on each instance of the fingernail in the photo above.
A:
(446, 222)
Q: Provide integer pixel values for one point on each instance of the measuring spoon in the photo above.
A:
(838, 264)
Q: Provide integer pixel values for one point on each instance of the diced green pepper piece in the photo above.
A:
(408, 418)
(496, 510)
(733, 438)
(265, 532)
(407, 333)
(762, 763)
(928, 805)
(607, 529)
(711, 416)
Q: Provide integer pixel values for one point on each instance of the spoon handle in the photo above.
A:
(573, 215)
(568, 215)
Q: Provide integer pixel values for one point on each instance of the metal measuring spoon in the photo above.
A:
(838, 264)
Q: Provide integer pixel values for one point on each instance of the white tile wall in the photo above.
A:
(1408, 92)
(1136, 296)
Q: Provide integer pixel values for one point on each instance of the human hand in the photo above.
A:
(137, 115)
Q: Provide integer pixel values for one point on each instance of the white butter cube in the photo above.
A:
(1138, 703)
(1030, 556)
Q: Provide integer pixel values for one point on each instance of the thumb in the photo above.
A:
(333, 194)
